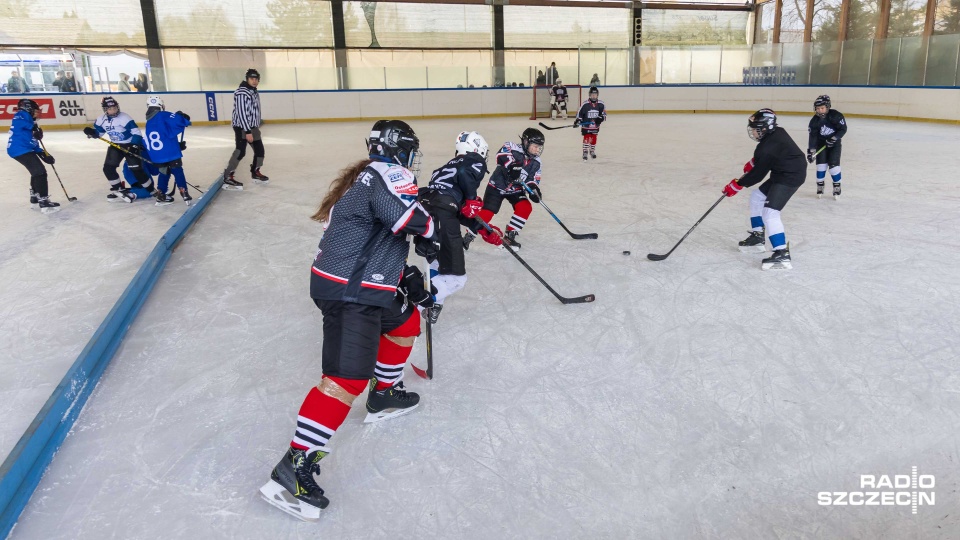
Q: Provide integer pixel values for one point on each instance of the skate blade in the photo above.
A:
(232, 188)
(53, 210)
(162, 203)
(278, 496)
(752, 249)
(34, 206)
(261, 182)
(836, 197)
(387, 414)
(776, 266)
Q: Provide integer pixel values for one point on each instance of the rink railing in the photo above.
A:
(22, 470)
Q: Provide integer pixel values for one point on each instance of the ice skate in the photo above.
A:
(187, 199)
(780, 260)
(47, 206)
(511, 239)
(292, 487)
(121, 195)
(819, 190)
(836, 191)
(584, 155)
(230, 183)
(164, 199)
(467, 238)
(753, 243)
(258, 177)
(593, 154)
(389, 402)
(34, 204)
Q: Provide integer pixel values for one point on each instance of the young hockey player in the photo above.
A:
(369, 212)
(517, 175)
(777, 154)
(558, 100)
(246, 130)
(24, 146)
(451, 198)
(163, 143)
(123, 132)
(827, 127)
(591, 114)
(141, 192)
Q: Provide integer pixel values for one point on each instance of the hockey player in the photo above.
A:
(163, 143)
(516, 179)
(24, 146)
(827, 127)
(591, 114)
(777, 154)
(451, 198)
(123, 132)
(558, 100)
(141, 192)
(246, 130)
(369, 212)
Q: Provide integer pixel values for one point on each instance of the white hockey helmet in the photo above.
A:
(471, 141)
(559, 82)
(155, 101)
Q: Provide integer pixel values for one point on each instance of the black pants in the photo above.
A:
(114, 157)
(830, 155)
(241, 148)
(493, 198)
(777, 194)
(446, 212)
(38, 173)
(351, 338)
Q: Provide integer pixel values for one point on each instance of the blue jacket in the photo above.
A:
(21, 136)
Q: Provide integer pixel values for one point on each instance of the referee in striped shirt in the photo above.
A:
(246, 130)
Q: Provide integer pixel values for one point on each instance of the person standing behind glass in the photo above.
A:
(141, 83)
(552, 74)
(58, 82)
(16, 84)
(69, 84)
(124, 84)
(595, 81)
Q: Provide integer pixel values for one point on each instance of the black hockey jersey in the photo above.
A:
(460, 177)
(365, 245)
(514, 169)
(560, 93)
(833, 124)
(778, 155)
(591, 115)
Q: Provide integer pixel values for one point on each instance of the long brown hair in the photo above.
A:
(339, 187)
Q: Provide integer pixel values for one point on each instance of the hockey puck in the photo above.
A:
(626, 252)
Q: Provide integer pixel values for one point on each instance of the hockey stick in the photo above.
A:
(428, 374)
(655, 257)
(575, 236)
(562, 299)
(69, 198)
(129, 153)
(544, 126)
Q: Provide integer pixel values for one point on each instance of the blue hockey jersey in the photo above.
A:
(21, 139)
(162, 134)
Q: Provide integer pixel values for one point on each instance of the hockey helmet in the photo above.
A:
(532, 136)
(593, 94)
(108, 102)
(252, 74)
(761, 123)
(395, 141)
(471, 141)
(821, 101)
(29, 105)
(155, 101)
(559, 82)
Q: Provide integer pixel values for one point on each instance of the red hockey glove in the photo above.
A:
(471, 208)
(748, 166)
(732, 188)
(495, 237)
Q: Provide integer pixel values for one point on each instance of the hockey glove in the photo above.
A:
(37, 132)
(91, 133)
(183, 114)
(576, 123)
(494, 238)
(183, 145)
(831, 141)
(411, 286)
(748, 166)
(428, 248)
(47, 158)
(471, 208)
(534, 192)
(732, 188)
(811, 155)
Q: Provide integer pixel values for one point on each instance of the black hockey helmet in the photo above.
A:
(29, 105)
(593, 94)
(761, 123)
(821, 101)
(108, 102)
(532, 136)
(396, 142)
(252, 74)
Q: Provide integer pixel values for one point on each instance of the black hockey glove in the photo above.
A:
(576, 123)
(811, 155)
(183, 145)
(37, 132)
(91, 133)
(428, 248)
(412, 286)
(47, 158)
(183, 114)
(831, 141)
(515, 171)
(534, 192)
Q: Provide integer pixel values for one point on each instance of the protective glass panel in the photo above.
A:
(388, 24)
(694, 27)
(563, 27)
(71, 23)
(942, 60)
(245, 23)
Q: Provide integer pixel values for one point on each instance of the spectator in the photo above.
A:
(69, 84)
(552, 74)
(16, 84)
(141, 83)
(541, 78)
(58, 82)
(595, 81)
(124, 84)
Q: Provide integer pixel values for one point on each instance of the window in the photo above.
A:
(71, 22)
(563, 27)
(389, 24)
(245, 23)
(764, 28)
(694, 27)
(792, 21)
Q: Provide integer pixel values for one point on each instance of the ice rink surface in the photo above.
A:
(698, 397)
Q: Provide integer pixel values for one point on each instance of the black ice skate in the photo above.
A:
(819, 190)
(34, 204)
(836, 191)
(467, 238)
(292, 487)
(753, 243)
(230, 183)
(780, 260)
(390, 402)
(187, 199)
(593, 154)
(120, 195)
(164, 199)
(585, 155)
(511, 239)
(47, 206)
(258, 177)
